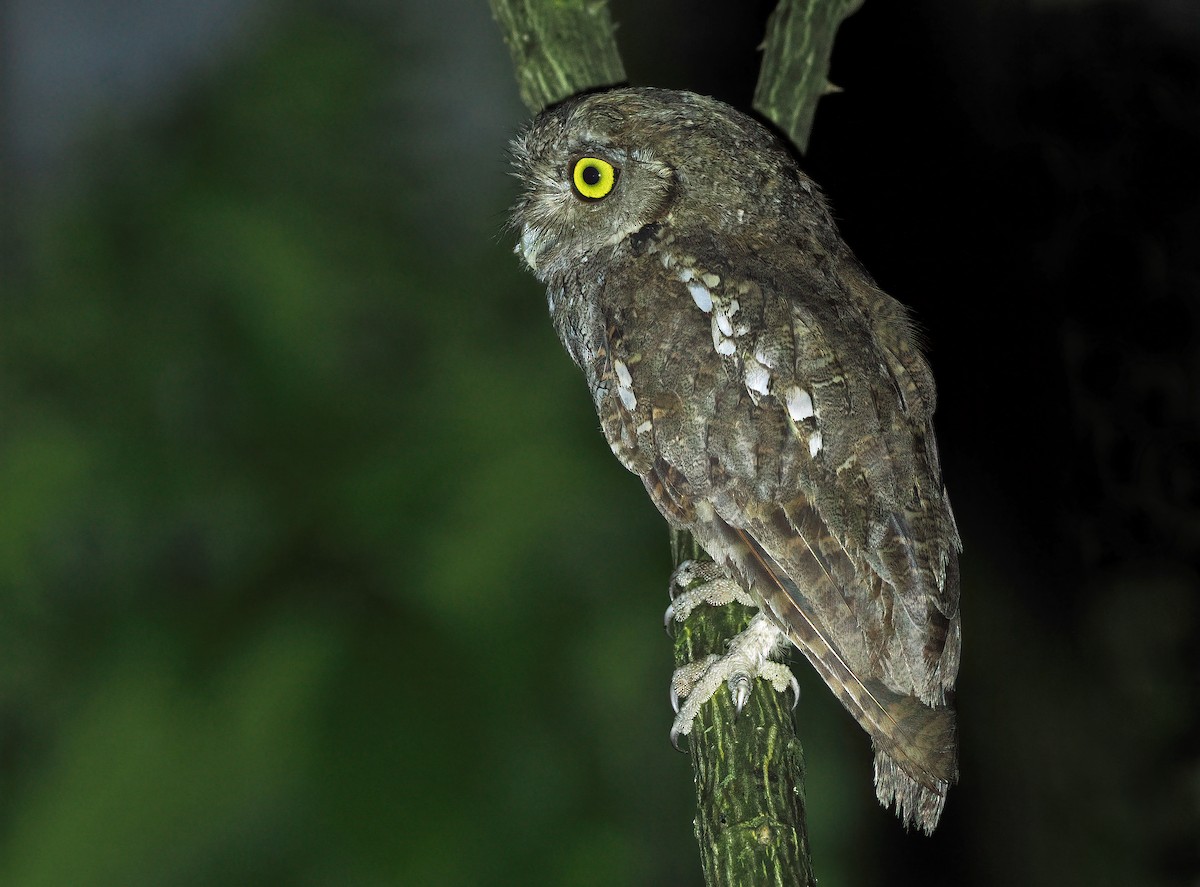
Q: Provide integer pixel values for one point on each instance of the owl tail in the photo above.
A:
(916, 756)
(916, 804)
(916, 748)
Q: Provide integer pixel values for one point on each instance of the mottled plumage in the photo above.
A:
(773, 400)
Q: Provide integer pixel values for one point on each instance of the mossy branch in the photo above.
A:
(748, 770)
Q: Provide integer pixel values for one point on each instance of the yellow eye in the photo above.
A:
(593, 178)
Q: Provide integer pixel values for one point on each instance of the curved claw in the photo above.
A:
(668, 618)
(795, 692)
(674, 698)
(675, 734)
(740, 685)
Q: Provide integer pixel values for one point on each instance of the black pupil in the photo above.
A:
(591, 175)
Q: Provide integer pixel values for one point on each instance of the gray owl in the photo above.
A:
(773, 400)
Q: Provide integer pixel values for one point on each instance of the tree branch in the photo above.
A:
(559, 48)
(795, 66)
(748, 770)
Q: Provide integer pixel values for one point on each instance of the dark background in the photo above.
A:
(314, 569)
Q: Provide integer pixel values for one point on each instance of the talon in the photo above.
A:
(675, 734)
(668, 618)
(795, 692)
(696, 682)
(739, 684)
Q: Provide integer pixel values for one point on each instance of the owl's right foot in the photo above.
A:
(748, 656)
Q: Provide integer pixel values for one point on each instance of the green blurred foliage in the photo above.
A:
(315, 570)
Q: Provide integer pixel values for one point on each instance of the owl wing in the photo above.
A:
(822, 494)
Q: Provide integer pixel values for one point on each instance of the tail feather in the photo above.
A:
(915, 742)
(916, 804)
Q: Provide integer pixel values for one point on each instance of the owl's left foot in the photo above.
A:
(701, 582)
(748, 656)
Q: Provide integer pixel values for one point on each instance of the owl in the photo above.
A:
(772, 399)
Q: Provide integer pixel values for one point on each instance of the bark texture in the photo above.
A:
(559, 48)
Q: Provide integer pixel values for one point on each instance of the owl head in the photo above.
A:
(601, 169)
